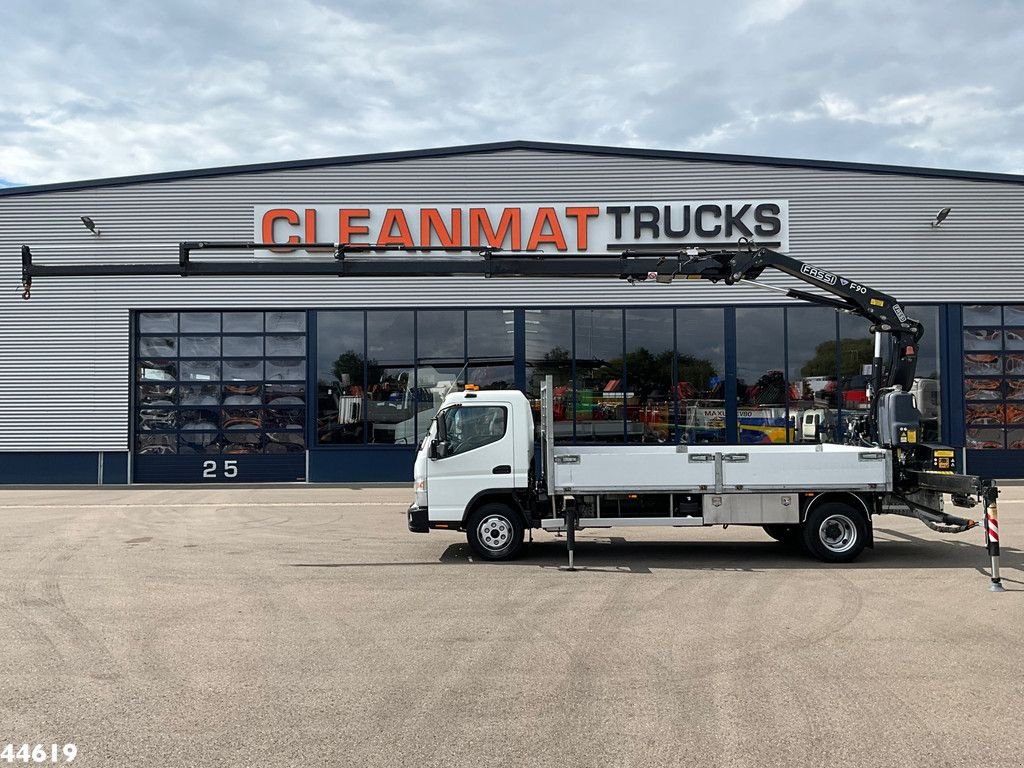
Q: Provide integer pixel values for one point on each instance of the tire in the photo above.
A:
(495, 532)
(835, 532)
(781, 532)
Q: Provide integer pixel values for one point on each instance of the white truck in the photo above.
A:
(481, 470)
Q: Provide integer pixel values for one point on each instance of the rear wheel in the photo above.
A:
(495, 532)
(835, 532)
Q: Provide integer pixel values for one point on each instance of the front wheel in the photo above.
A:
(835, 532)
(495, 532)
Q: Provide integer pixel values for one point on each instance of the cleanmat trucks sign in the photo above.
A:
(566, 227)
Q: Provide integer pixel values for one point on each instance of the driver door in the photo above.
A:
(479, 457)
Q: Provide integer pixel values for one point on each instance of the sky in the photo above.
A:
(94, 89)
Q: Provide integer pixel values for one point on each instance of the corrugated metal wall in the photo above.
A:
(64, 375)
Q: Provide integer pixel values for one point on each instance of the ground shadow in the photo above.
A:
(615, 554)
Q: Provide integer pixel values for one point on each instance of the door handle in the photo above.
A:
(502, 469)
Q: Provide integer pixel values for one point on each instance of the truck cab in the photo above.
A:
(477, 452)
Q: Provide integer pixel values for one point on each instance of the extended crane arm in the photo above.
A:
(740, 265)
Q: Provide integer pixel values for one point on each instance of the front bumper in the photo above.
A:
(419, 522)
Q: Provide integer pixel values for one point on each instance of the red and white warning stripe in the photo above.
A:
(993, 526)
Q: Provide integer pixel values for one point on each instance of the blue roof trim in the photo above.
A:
(500, 146)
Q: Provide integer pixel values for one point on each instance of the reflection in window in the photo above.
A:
(761, 384)
(700, 375)
(811, 350)
(599, 392)
(340, 377)
(391, 396)
(549, 353)
(650, 351)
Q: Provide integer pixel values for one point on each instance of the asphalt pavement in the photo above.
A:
(307, 626)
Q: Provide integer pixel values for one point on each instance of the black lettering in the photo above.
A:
(698, 220)
(736, 220)
(618, 211)
(669, 232)
(640, 223)
(767, 217)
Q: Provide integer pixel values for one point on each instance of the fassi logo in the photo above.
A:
(523, 227)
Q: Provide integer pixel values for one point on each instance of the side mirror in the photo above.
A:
(438, 449)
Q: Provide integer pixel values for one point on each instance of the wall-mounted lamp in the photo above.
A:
(90, 225)
(941, 216)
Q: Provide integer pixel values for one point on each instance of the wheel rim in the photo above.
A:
(494, 532)
(838, 533)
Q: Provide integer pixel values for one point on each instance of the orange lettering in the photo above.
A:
(346, 228)
(395, 217)
(479, 221)
(582, 216)
(311, 225)
(537, 236)
(431, 221)
(270, 218)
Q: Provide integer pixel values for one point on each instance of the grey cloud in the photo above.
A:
(101, 88)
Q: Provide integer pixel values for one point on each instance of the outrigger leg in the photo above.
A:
(989, 495)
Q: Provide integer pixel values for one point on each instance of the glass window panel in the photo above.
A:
(200, 442)
(1015, 439)
(985, 439)
(284, 394)
(983, 314)
(983, 364)
(285, 442)
(285, 418)
(157, 370)
(474, 426)
(158, 394)
(243, 370)
(813, 359)
(1014, 388)
(242, 418)
(243, 346)
(983, 338)
(760, 379)
(206, 394)
(286, 322)
(440, 336)
(1014, 414)
(156, 444)
(650, 350)
(1013, 314)
(286, 370)
(291, 346)
(243, 322)
(158, 346)
(199, 418)
(158, 322)
(549, 352)
(391, 406)
(984, 414)
(490, 335)
(339, 379)
(983, 389)
(599, 393)
(235, 395)
(1014, 364)
(1013, 338)
(200, 322)
(157, 419)
(200, 346)
(700, 384)
(389, 338)
(200, 370)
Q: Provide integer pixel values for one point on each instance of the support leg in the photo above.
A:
(570, 534)
(992, 536)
